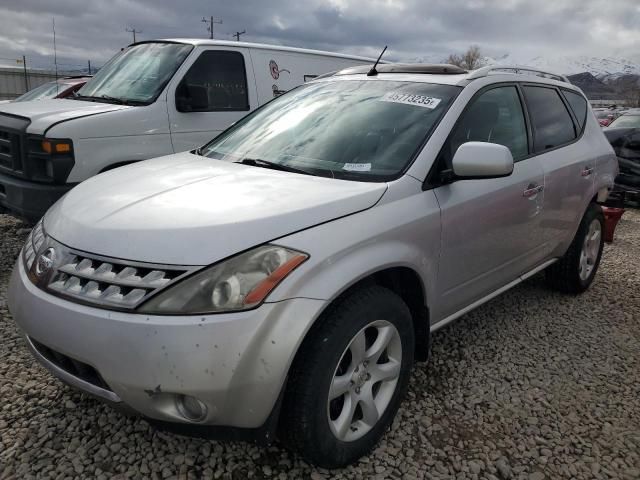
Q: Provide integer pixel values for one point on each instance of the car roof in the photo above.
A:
(452, 75)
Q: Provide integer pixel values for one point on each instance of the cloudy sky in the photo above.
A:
(414, 29)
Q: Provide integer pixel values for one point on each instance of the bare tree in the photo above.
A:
(470, 60)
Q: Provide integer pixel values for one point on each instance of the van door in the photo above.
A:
(213, 92)
(490, 227)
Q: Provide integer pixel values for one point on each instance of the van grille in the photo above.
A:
(10, 152)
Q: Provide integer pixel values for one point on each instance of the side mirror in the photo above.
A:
(474, 160)
(192, 98)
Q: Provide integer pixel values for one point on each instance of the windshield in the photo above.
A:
(137, 75)
(626, 121)
(47, 90)
(366, 130)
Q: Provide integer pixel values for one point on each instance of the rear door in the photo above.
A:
(490, 227)
(215, 90)
(557, 120)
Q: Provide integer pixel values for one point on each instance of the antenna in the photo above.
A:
(373, 70)
(237, 35)
(55, 53)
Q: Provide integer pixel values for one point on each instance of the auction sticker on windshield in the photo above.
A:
(411, 99)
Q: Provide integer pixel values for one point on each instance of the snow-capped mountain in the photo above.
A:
(604, 68)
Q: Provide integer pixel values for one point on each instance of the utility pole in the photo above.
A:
(134, 31)
(237, 35)
(26, 75)
(89, 64)
(55, 53)
(210, 22)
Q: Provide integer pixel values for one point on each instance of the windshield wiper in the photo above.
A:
(257, 162)
(109, 99)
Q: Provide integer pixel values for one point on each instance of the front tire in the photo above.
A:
(349, 378)
(575, 271)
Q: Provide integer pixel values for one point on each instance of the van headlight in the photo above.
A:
(239, 283)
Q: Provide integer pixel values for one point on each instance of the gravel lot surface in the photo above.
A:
(534, 385)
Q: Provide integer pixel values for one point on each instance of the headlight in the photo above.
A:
(240, 283)
(33, 245)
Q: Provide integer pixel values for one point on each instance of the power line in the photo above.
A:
(211, 21)
(134, 31)
(237, 35)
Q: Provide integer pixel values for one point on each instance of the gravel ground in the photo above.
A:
(534, 385)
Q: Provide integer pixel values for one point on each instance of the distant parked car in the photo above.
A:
(626, 144)
(629, 119)
(62, 88)
(605, 117)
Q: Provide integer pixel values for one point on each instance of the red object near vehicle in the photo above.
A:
(612, 216)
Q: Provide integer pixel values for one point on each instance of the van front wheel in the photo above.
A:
(349, 378)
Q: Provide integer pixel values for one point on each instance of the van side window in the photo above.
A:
(550, 120)
(217, 81)
(494, 116)
(578, 105)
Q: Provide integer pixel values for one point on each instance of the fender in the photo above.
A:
(398, 233)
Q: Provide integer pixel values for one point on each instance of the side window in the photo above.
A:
(217, 81)
(494, 116)
(578, 105)
(550, 120)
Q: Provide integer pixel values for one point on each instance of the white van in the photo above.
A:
(153, 98)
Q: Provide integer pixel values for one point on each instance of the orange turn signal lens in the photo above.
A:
(56, 146)
(63, 148)
(260, 292)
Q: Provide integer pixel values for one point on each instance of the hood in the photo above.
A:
(44, 113)
(185, 209)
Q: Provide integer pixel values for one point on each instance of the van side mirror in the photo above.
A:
(475, 160)
(192, 98)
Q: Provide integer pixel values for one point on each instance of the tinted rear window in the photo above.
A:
(578, 105)
(552, 125)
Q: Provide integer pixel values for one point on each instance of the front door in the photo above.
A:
(212, 94)
(490, 227)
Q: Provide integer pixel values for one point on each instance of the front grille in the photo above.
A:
(106, 282)
(10, 151)
(71, 366)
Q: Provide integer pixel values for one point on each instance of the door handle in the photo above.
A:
(586, 171)
(532, 190)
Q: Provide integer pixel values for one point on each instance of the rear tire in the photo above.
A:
(349, 378)
(575, 271)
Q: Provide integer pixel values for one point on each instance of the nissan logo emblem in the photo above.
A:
(45, 261)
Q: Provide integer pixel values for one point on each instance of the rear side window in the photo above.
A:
(217, 81)
(494, 116)
(550, 120)
(578, 105)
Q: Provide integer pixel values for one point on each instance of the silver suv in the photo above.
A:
(284, 278)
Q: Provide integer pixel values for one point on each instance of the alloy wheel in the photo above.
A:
(590, 250)
(364, 381)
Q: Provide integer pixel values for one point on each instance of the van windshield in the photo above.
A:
(366, 130)
(137, 75)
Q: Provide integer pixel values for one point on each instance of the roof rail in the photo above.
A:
(518, 69)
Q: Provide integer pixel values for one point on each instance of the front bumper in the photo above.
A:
(236, 364)
(28, 199)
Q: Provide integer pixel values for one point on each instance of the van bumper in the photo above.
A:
(27, 199)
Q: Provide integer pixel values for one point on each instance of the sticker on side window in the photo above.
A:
(357, 167)
(412, 99)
